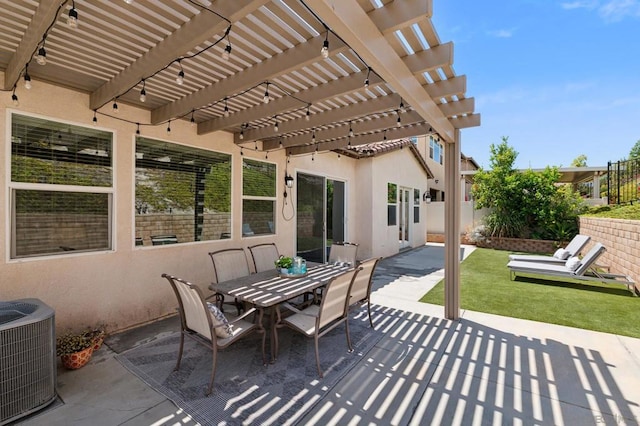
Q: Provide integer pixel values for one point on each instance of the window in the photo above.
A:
(183, 194)
(258, 197)
(416, 205)
(435, 150)
(392, 204)
(61, 188)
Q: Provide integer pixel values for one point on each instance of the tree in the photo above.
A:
(635, 151)
(579, 161)
(525, 204)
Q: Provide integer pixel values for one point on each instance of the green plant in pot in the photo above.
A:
(284, 264)
(75, 349)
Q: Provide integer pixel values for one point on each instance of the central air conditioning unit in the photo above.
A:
(27, 358)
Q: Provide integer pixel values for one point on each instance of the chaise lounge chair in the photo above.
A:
(560, 257)
(574, 268)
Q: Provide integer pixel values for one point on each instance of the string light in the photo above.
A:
(350, 130)
(275, 128)
(266, 98)
(266, 155)
(255, 145)
(95, 118)
(313, 136)
(180, 77)
(226, 107)
(114, 107)
(366, 81)
(385, 135)
(169, 127)
(242, 131)
(227, 50)
(308, 116)
(399, 121)
(27, 77)
(41, 57)
(349, 141)
(137, 128)
(128, 1)
(402, 108)
(193, 120)
(325, 47)
(72, 18)
(14, 97)
(241, 151)
(143, 92)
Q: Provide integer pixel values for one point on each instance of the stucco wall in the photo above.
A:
(621, 238)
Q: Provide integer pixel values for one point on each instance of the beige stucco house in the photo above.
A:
(145, 138)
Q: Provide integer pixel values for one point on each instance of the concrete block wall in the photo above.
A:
(622, 241)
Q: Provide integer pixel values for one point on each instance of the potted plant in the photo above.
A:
(75, 349)
(284, 264)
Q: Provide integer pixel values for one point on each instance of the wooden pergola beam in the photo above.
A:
(401, 14)
(194, 32)
(298, 56)
(430, 59)
(463, 106)
(42, 18)
(445, 88)
(340, 86)
(393, 133)
(462, 122)
(349, 112)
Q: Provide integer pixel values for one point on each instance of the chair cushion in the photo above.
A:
(562, 254)
(218, 318)
(573, 263)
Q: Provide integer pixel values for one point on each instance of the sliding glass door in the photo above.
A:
(320, 215)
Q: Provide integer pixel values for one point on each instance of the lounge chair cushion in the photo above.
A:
(218, 318)
(562, 254)
(573, 263)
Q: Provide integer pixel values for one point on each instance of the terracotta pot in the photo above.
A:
(77, 359)
(97, 337)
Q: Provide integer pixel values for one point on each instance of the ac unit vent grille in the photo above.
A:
(27, 363)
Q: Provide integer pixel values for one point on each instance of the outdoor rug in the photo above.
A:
(245, 391)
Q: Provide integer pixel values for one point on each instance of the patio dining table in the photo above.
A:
(268, 289)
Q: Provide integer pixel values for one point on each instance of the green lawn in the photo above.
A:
(486, 287)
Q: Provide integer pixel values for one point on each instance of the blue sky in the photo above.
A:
(559, 78)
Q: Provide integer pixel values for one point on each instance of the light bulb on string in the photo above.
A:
(41, 57)
(307, 117)
(114, 107)
(275, 128)
(313, 136)
(180, 77)
(241, 151)
(241, 132)
(226, 54)
(266, 155)
(349, 141)
(193, 120)
(255, 145)
(72, 18)
(325, 47)
(399, 121)
(226, 108)
(143, 92)
(95, 118)
(14, 97)
(385, 136)
(402, 108)
(137, 128)
(350, 130)
(366, 81)
(27, 78)
(169, 127)
(266, 98)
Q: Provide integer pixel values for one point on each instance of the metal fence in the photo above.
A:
(623, 181)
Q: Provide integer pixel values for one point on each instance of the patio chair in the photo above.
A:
(343, 253)
(199, 322)
(227, 265)
(361, 288)
(264, 256)
(574, 268)
(561, 255)
(316, 321)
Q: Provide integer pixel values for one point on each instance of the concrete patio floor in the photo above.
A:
(482, 369)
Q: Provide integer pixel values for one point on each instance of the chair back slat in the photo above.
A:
(229, 264)
(335, 299)
(193, 310)
(264, 256)
(343, 252)
(361, 288)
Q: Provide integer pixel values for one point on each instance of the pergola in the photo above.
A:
(294, 75)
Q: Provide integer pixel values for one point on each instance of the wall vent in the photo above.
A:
(27, 358)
